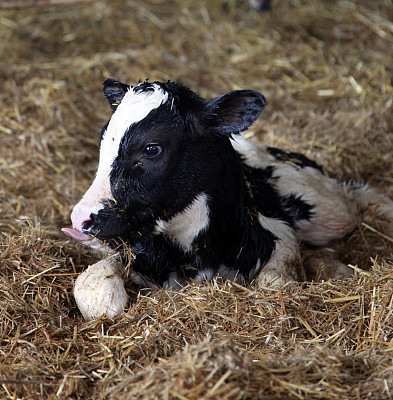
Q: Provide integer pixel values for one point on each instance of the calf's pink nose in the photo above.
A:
(80, 219)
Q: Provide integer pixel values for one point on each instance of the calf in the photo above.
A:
(181, 196)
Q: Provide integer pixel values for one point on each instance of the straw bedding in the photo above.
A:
(326, 70)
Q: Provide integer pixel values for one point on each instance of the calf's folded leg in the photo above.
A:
(99, 290)
(285, 263)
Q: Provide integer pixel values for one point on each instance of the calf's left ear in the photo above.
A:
(114, 92)
(234, 112)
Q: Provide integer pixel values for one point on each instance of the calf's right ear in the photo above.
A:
(114, 92)
(234, 112)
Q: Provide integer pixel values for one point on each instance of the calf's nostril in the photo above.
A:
(87, 225)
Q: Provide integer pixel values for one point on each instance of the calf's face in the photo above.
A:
(159, 154)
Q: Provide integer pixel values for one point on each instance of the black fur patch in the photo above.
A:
(114, 92)
(293, 158)
(297, 208)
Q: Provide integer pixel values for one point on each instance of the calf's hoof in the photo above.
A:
(322, 264)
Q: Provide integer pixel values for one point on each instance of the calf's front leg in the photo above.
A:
(285, 263)
(99, 290)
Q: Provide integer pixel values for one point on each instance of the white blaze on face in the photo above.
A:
(134, 107)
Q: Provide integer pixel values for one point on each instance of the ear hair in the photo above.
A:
(234, 112)
(114, 92)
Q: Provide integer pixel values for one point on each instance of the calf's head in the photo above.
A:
(164, 154)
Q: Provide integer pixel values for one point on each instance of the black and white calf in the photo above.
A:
(184, 197)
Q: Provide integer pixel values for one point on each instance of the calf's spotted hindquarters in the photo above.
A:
(180, 193)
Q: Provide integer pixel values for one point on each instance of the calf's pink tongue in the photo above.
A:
(76, 234)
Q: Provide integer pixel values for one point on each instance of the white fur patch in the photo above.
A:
(283, 263)
(333, 216)
(185, 226)
(134, 107)
(254, 155)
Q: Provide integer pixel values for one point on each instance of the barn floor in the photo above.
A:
(325, 68)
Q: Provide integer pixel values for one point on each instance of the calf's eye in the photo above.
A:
(152, 150)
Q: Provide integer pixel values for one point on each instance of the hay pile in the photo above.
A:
(326, 70)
